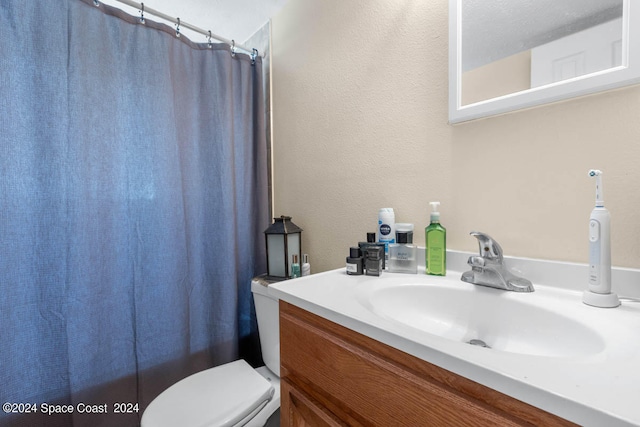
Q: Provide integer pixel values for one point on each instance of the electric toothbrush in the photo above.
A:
(599, 292)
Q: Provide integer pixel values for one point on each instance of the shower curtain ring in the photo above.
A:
(254, 55)
(233, 48)
(209, 40)
(142, 13)
(178, 28)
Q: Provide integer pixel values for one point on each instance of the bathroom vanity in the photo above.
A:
(395, 350)
(333, 376)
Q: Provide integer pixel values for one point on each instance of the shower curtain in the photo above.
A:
(133, 197)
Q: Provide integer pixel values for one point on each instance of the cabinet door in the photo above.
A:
(299, 410)
(333, 376)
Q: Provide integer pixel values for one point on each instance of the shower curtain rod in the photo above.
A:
(143, 9)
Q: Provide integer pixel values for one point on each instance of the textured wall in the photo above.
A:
(360, 122)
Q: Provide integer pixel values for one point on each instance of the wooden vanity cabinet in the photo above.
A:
(332, 376)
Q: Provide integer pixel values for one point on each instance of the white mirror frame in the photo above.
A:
(626, 74)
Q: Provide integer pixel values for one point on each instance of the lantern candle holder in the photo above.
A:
(283, 239)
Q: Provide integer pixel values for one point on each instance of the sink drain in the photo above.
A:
(479, 343)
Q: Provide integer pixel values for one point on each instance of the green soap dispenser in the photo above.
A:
(435, 237)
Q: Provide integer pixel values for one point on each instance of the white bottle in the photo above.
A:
(599, 292)
(386, 230)
(306, 267)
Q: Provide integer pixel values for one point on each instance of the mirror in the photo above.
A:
(507, 55)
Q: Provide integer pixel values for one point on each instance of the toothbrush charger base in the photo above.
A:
(594, 299)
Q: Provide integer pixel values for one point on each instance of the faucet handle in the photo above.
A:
(476, 261)
(489, 248)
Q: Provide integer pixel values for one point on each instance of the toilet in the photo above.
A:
(233, 394)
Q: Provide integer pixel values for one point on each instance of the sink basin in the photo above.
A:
(490, 318)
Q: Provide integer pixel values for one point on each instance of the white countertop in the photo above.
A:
(601, 389)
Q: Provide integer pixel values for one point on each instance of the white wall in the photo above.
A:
(360, 122)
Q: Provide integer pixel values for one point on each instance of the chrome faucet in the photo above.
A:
(488, 269)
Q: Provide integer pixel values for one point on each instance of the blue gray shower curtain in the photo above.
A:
(133, 197)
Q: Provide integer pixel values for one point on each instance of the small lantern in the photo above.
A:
(284, 239)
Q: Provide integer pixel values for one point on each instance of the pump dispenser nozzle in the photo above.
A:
(435, 215)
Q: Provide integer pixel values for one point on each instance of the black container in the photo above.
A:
(371, 242)
(355, 262)
(373, 259)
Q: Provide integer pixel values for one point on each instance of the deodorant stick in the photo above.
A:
(386, 229)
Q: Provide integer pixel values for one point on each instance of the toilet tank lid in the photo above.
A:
(220, 396)
(259, 285)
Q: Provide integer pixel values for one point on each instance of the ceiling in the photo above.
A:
(232, 19)
(495, 29)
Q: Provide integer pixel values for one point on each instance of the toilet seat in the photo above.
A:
(227, 395)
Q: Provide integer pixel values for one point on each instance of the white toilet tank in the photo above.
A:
(267, 313)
